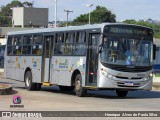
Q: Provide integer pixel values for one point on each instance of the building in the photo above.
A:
(30, 17)
(52, 24)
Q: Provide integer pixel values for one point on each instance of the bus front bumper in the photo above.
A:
(106, 83)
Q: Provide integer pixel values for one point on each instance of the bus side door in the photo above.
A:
(93, 58)
(48, 40)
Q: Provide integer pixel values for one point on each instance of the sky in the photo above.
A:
(124, 9)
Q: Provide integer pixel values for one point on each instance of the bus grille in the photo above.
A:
(124, 68)
(133, 78)
(136, 69)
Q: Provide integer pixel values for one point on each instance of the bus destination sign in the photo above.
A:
(129, 31)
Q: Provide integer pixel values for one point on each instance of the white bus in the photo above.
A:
(109, 56)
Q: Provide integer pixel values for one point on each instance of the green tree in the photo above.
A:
(99, 15)
(6, 12)
(28, 4)
(130, 21)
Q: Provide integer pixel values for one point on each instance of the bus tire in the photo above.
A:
(66, 88)
(28, 81)
(121, 93)
(79, 90)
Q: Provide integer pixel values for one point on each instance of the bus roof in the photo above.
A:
(70, 28)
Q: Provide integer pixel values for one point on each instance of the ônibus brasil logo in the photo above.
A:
(17, 99)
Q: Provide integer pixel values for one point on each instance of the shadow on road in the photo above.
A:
(55, 89)
(12, 93)
(131, 94)
(107, 93)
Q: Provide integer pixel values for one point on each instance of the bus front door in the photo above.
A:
(93, 59)
(48, 40)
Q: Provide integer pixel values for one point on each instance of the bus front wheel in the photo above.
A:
(28, 81)
(121, 93)
(79, 90)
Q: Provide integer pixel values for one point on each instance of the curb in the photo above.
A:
(5, 89)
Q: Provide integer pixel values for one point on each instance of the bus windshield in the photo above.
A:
(127, 51)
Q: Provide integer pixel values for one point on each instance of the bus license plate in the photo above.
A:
(128, 84)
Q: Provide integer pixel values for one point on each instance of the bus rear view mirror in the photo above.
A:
(100, 48)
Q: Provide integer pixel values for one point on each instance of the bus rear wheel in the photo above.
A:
(121, 93)
(79, 90)
(28, 81)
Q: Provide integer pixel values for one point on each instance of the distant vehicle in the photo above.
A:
(83, 58)
(156, 67)
(2, 50)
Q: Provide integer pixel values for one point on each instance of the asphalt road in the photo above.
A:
(52, 99)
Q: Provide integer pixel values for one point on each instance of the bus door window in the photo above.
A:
(48, 46)
(93, 58)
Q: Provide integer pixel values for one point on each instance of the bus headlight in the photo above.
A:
(148, 78)
(151, 75)
(108, 75)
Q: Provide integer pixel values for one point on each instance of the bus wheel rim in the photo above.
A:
(28, 81)
(78, 85)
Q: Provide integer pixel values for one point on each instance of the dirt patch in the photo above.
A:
(5, 89)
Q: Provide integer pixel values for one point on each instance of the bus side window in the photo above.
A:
(17, 50)
(9, 45)
(17, 42)
(27, 45)
(69, 38)
(26, 50)
(9, 50)
(60, 38)
(10, 40)
(58, 50)
(59, 44)
(80, 44)
(37, 45)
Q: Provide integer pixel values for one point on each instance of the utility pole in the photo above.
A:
(55, 4)
(67, 11)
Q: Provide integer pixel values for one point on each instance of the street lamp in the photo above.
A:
(89, 12)
(55, 3)
(67, 11)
